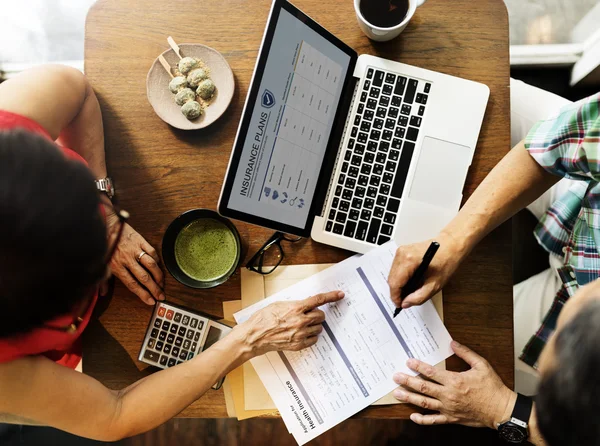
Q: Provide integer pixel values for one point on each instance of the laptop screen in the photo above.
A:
(290, 122)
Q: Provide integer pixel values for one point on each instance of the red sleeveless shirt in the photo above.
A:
(61, 347)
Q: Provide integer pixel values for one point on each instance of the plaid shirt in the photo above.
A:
(568, 145)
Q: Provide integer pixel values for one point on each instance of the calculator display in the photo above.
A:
(214, 334)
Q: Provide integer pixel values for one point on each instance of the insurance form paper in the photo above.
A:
(359, 350)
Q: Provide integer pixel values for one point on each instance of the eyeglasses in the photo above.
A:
(114, 236)
(270, 256)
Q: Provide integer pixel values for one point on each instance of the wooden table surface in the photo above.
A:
(161, 172)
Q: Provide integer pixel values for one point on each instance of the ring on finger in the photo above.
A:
(142, 254)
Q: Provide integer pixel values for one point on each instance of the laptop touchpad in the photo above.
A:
(441, 173)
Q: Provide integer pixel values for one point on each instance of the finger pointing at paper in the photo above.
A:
(287, 325)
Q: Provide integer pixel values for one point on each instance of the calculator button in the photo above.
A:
(162, 336)
(174, 328)
(183, 355)
(151, 356)
(185, 320)
(170, 314)
(194, 323)
(190, 334)
(171, 338)
(197, 336)
(163, 360)
(154, 333)
(181, 331)
(159, 346)
(177, 317)
(187, 344)
(200, 325)
(151, 343)
(166, 325)
(157, 323)
(162, 311)
(172, 362)
(167, 349)
(194, 346)
(190, 355)
(175, 351)
(178, 341)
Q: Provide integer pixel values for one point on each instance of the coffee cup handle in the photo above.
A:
(378, 32)
(420, 2)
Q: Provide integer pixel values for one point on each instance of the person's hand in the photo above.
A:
(407, 260)
(476, 398)
(288, 326)
(142, 275)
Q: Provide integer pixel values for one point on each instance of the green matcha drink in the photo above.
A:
(205, 249)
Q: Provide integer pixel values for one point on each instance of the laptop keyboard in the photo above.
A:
(375, 163)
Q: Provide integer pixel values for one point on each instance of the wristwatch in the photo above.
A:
(106, 185)
(515, 430)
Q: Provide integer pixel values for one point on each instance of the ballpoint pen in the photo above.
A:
(416, 280)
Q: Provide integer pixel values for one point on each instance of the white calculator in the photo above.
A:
(176, 334)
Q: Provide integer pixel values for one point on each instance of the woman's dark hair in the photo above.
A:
(568, 400)
(52, 233)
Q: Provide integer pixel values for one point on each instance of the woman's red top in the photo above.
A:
(61, 347)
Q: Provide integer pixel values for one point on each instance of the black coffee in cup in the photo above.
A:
(384, 13)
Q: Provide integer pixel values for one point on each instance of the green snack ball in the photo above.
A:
(196, 76)
(185, 95)
(191, 110)
(187, 64)
(206, 89)
(177, 83)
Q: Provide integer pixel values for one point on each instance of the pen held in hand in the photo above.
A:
(416, 281)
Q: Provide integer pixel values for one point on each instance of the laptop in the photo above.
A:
(351, 150)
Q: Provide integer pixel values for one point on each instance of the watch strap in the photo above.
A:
(522, 409)
(106, 185)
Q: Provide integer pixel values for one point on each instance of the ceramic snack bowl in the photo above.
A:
(163, 101)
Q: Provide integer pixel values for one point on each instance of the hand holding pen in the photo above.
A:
(416, 280)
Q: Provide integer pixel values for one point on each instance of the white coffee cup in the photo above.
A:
(384, 34)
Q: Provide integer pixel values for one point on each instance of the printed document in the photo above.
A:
(359, 350)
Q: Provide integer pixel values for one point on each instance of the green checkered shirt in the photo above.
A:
(568, 145)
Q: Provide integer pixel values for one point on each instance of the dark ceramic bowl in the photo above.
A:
(168, 247)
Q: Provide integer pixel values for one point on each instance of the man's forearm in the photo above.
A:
(535, 436)
(85, 134)
(513, 184)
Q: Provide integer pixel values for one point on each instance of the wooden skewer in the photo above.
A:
(174, 46)
(165, 65)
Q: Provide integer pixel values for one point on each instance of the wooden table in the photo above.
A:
(161, 172)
